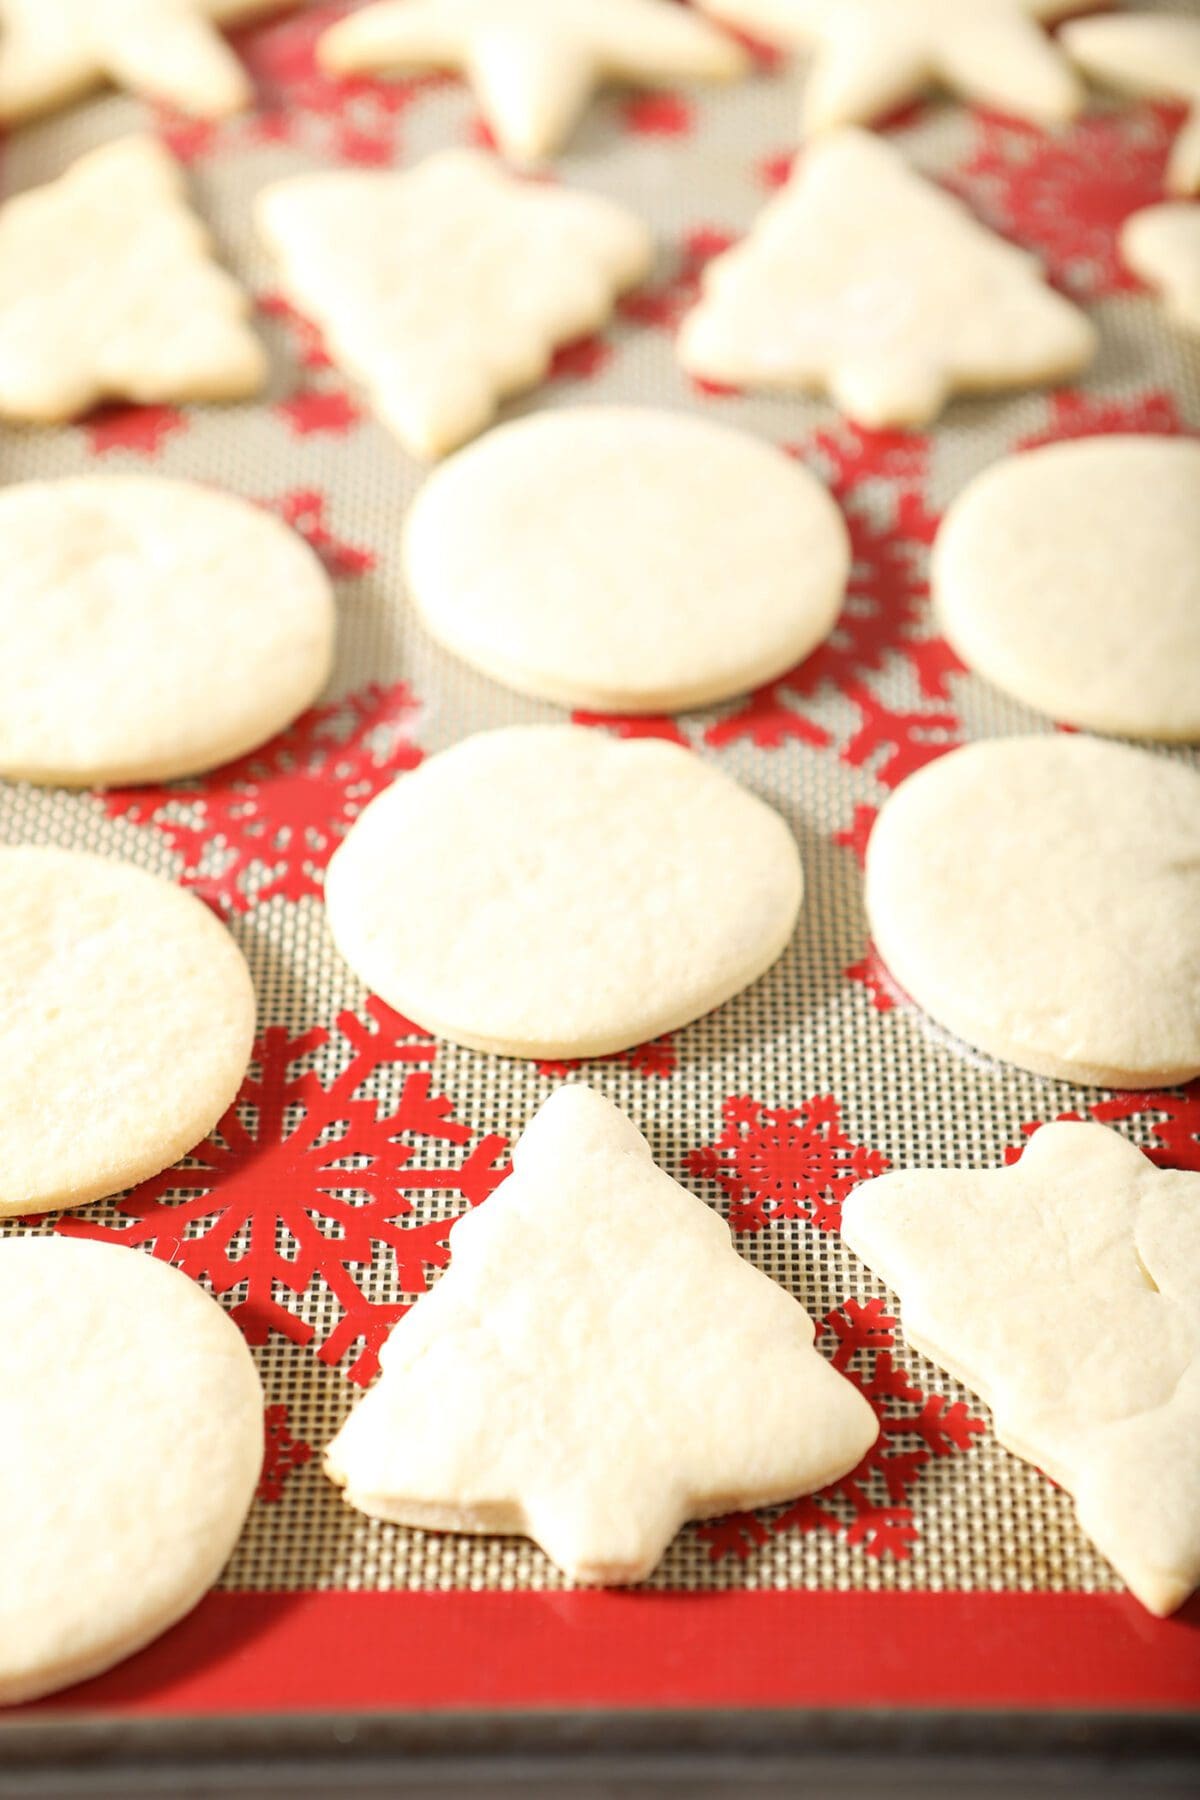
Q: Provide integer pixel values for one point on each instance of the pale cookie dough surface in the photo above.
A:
(126, 1022)
(871, 57)
(597, 1366)
(864, 280)
(453, 283)
(534, 64)
(1070, 577)
(1040, 897)
(1065, 1290)
(108, 291)
(1161, 244)
(551, 891)
(150, 629)
(1148, 53)
(626, 560)
(131, 1440)
(52, 51)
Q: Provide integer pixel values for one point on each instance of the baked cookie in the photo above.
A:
(534, 64)
(1064, 1291)
(1070, 577)
(1148, 53)
(131, 1440)
(551, 891)
(108, 291)
(1040, 897)
(1161, 244)
(52, 51)
(453, 283)
(626, 560)
(150, 629)
(126, 1022)
(864, 280)
(570, 1377)
(872, 57)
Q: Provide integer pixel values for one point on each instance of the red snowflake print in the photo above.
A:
(766, 719)
(1066, 194)
(308, 346)
(634, 725)
(654, 1058)
(665, 306)
(933, 662)
(307, 1180)
(187, 139)
(872, 974)
(777, 1163)
(657, 115)
(267, 824)
(141, 430)
(897, 744)
(855, 836)
(284, 1453)
(1074, 415)
(319, 412)
(581, 360)
(871, 1505)
(304, 510)
(1174, 1131)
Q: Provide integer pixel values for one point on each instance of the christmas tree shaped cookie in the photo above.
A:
(865, 280)
(51, 51)
(448, 286)
(534, 63)
(108, 291)
(873, 56)
(1066, 1292)
(1148, 53)
(597, 1366)
(1161, 244)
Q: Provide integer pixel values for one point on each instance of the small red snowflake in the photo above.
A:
(634, 725)
(870, 971)
(319, 411)
(657, 1057)
(581, 360)
(284, 1454)
(142, 430)
(855, 836)
(778, 1163)
(308, 346)
(1066, 194)
(657, 115)
(665, 305)
(267, 824)
(896, 743)
(1074, 415)
(871, 1505)
(304, 510)
(305, 1179)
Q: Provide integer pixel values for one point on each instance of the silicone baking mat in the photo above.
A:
(321, 1206)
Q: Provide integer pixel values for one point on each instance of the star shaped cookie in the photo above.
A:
(1161, 244)
(108, 291)
(1148, 53)
(52, 51)
(597, 1366)
(453, 282)
(872, 56)
(1065, 1291)
(863, 279)
(534, 64)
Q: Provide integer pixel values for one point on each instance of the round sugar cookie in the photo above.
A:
(1070, 577)
(150, 629)
(551, 891)
(1040, 897)
(626, 560)
(131, 1442)
(126, 1023)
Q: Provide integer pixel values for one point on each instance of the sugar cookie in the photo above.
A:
(571, 1377)
(865, 280)
(150, 629)
(551, 891)
(126, 1021)
(1064, 1291)
(626, 560)
(1070, 577)
(131, 1439)
(533, 65)
(453, 282)
(1161, 244)
(1040, 897)
(108, 291)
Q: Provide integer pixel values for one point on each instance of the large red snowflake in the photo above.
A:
(267, 824)
(872, 1504)
(1075, 415)
(895, 744)
(1174, 1128)
(307, 1179)
(787, 1162)
(1067, 194)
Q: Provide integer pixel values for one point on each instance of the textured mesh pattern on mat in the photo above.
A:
(322, 1205)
